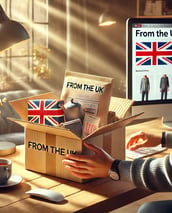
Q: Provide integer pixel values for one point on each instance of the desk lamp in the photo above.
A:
(11, 32)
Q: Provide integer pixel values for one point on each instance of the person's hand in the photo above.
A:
(89, 166)
(142, 139)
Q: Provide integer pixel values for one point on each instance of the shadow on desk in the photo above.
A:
(113, 204)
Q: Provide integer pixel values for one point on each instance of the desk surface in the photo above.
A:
(78, 197)
(101, 195)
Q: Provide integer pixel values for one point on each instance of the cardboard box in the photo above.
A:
(46, 146)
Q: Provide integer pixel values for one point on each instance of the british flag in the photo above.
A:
(47, 111)
(153, 53)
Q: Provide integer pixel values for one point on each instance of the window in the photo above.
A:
(18, 64)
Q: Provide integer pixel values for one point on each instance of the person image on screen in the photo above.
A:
(154, 174)
(164, 87)
(144, 87)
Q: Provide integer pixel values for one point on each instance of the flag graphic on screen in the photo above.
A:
(47, 112)
(153, 53)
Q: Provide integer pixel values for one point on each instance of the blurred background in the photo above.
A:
(65, 34)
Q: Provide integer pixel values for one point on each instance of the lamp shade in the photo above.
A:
(11, 32)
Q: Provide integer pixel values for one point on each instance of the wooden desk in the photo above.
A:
(101, 195)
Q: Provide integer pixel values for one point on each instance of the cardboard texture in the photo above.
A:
(91, 91)
(46, 146)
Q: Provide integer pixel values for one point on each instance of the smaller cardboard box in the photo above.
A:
(46, 146)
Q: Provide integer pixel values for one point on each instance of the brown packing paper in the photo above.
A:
(91, 91)
(120, 106)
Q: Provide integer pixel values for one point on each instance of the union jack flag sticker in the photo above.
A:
(153, 53)
(46, 111)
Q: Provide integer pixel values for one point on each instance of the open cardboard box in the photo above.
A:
(46, 146)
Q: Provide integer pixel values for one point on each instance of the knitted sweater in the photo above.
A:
(152, 174)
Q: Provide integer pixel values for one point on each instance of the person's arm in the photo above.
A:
(142, 139)
(151, 174)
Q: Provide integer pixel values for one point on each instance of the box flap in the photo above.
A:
(20, 105)
(60, 131)
(120, 106)
(112, 126)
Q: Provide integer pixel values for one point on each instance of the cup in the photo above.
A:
(5, 170)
